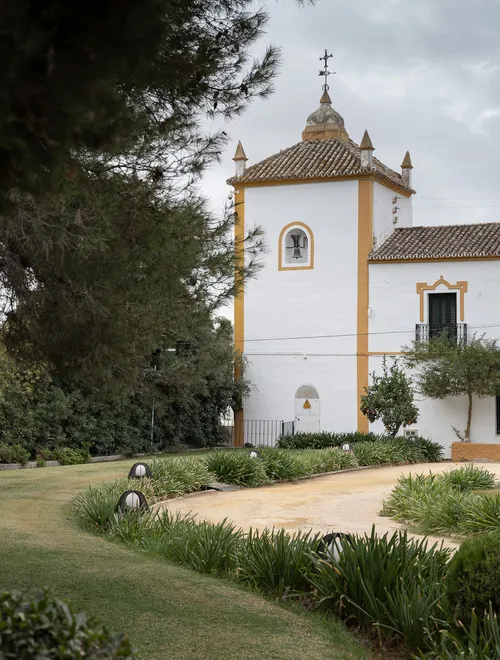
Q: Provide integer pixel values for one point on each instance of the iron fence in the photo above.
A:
(257, 432)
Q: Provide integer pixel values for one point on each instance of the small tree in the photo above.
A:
(390, 398)
(446, 368)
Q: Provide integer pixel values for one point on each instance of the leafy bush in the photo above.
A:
(13, 454)
(44, 627)
(323, 440)
(473, 578)
(236, 468)
(276, 563)
(66, 455)
(391, 582)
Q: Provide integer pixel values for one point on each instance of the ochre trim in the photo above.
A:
(491, 257)
(239, 304)
(365, 238)
(348, 177)
(311, 247)
(422, 287)
(375, 353)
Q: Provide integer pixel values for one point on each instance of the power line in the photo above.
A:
(357, 334)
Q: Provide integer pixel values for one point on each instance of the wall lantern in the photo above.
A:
(346, 447)
(332, 545)
(132, 500)
(140, 471)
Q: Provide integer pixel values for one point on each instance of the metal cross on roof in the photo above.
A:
(325, 72)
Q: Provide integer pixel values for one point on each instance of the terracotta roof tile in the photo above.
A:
(316, 159)
(447, 241)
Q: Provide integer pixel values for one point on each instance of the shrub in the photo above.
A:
(66, 455)
(175, 476)
(276, 563)
(44, 627)
(432, 451)
(205, 547)
(323, 440)
(280, 465)
(236, 468)
(445, 503)
(391, 582)
(470, 477)
(316, 461)
(473, 578)
(13, 454)
(95, 507)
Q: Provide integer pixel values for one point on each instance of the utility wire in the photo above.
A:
(357, 334)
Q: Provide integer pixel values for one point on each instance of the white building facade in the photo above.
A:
(348, 280)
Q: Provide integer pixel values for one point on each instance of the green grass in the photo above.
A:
(169, 612)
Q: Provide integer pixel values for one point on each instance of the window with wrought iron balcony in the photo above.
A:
(442, 317)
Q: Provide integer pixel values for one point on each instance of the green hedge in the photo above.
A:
(45, 627)
(431, 451)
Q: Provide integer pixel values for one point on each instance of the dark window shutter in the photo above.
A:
(442, 314)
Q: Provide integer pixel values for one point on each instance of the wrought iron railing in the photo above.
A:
(258, 432)
(454, 332)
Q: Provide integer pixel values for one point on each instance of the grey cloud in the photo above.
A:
(423, 76)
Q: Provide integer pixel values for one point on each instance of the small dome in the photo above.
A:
(325, 123)
(325, 114)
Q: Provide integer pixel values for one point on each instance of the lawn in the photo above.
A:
(168, 611)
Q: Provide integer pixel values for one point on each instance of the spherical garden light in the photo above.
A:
(333, 544)
(140, 471)
(253, 454)
(346, 447)
(132, 500)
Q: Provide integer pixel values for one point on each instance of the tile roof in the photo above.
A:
(447, 241)
(317, 159)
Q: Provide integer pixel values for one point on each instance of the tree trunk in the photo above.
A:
(469, 418)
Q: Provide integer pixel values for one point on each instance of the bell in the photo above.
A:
(297, 254)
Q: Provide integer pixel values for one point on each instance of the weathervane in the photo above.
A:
(325, 72)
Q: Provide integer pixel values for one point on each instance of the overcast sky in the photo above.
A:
(422, 75)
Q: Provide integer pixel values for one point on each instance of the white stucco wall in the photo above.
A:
(395, 310)
(280, 305)
(383, 217)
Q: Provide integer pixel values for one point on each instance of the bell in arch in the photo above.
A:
(297, 247)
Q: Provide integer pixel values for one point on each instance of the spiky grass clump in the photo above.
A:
(280, 465)
(276, 563)
(446, 503)
(317, 461)
(95, 507)
(237, 468)
(176, 476)
(470, 477)
(391, 582)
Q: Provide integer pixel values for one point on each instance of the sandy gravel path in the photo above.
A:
(348, 502)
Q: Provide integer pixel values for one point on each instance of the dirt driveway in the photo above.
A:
(348, 502)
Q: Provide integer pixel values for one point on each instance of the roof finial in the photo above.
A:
(240, 160)
(325, 72)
